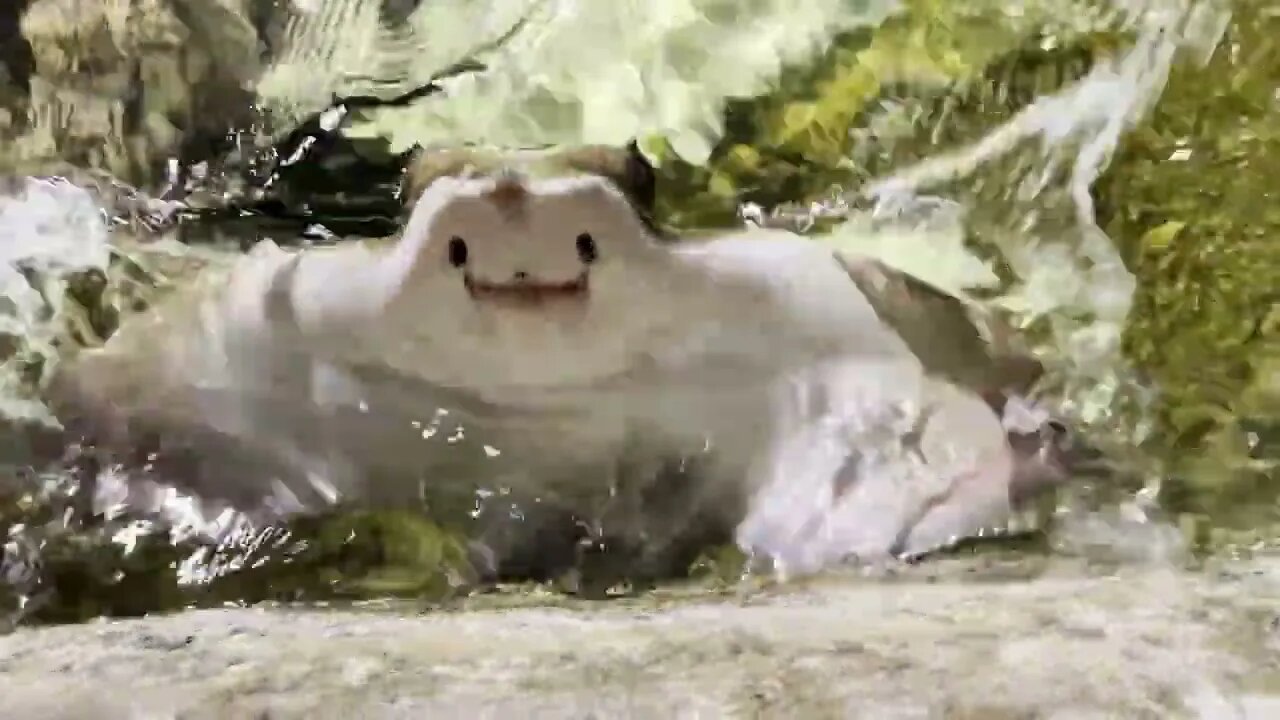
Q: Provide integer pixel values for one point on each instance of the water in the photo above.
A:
(53, 229)
(991, 195)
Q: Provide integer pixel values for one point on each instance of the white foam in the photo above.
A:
(49, 229)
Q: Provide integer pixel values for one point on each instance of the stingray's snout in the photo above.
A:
(1078, 455)
(1047, 456)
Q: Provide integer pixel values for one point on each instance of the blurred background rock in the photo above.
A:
(124, 85)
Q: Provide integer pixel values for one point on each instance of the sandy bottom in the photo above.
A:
(965, 638)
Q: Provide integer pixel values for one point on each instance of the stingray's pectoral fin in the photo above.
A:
(964, 445)
(823, 492)
(975, 506)
(192, 439)
(793, 497)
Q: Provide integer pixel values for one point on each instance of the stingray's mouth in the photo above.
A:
(527, 290)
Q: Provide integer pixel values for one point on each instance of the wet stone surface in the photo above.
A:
(951, 640)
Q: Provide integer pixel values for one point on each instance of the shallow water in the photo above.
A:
(987, 132)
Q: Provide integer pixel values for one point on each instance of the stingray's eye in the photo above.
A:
(1057, 433)
(457, 251)
(587, 248)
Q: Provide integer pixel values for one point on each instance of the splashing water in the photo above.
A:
(1074, 274)
(50, 229)
(649, 67)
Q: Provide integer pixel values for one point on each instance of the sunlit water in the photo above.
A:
(1066, 273)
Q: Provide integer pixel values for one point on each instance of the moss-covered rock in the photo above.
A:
(344, 555)
(1191, 200)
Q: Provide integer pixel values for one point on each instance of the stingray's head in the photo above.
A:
(1047, 451)
(514, 242)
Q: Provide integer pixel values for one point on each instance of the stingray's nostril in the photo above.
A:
(587, 248)
(457, 251)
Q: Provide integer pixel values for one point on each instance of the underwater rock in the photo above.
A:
(124, 86)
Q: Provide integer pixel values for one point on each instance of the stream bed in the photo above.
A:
(963, 638)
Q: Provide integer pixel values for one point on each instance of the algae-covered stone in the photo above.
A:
(344, 555)
(1191, 200)
(54, 572)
